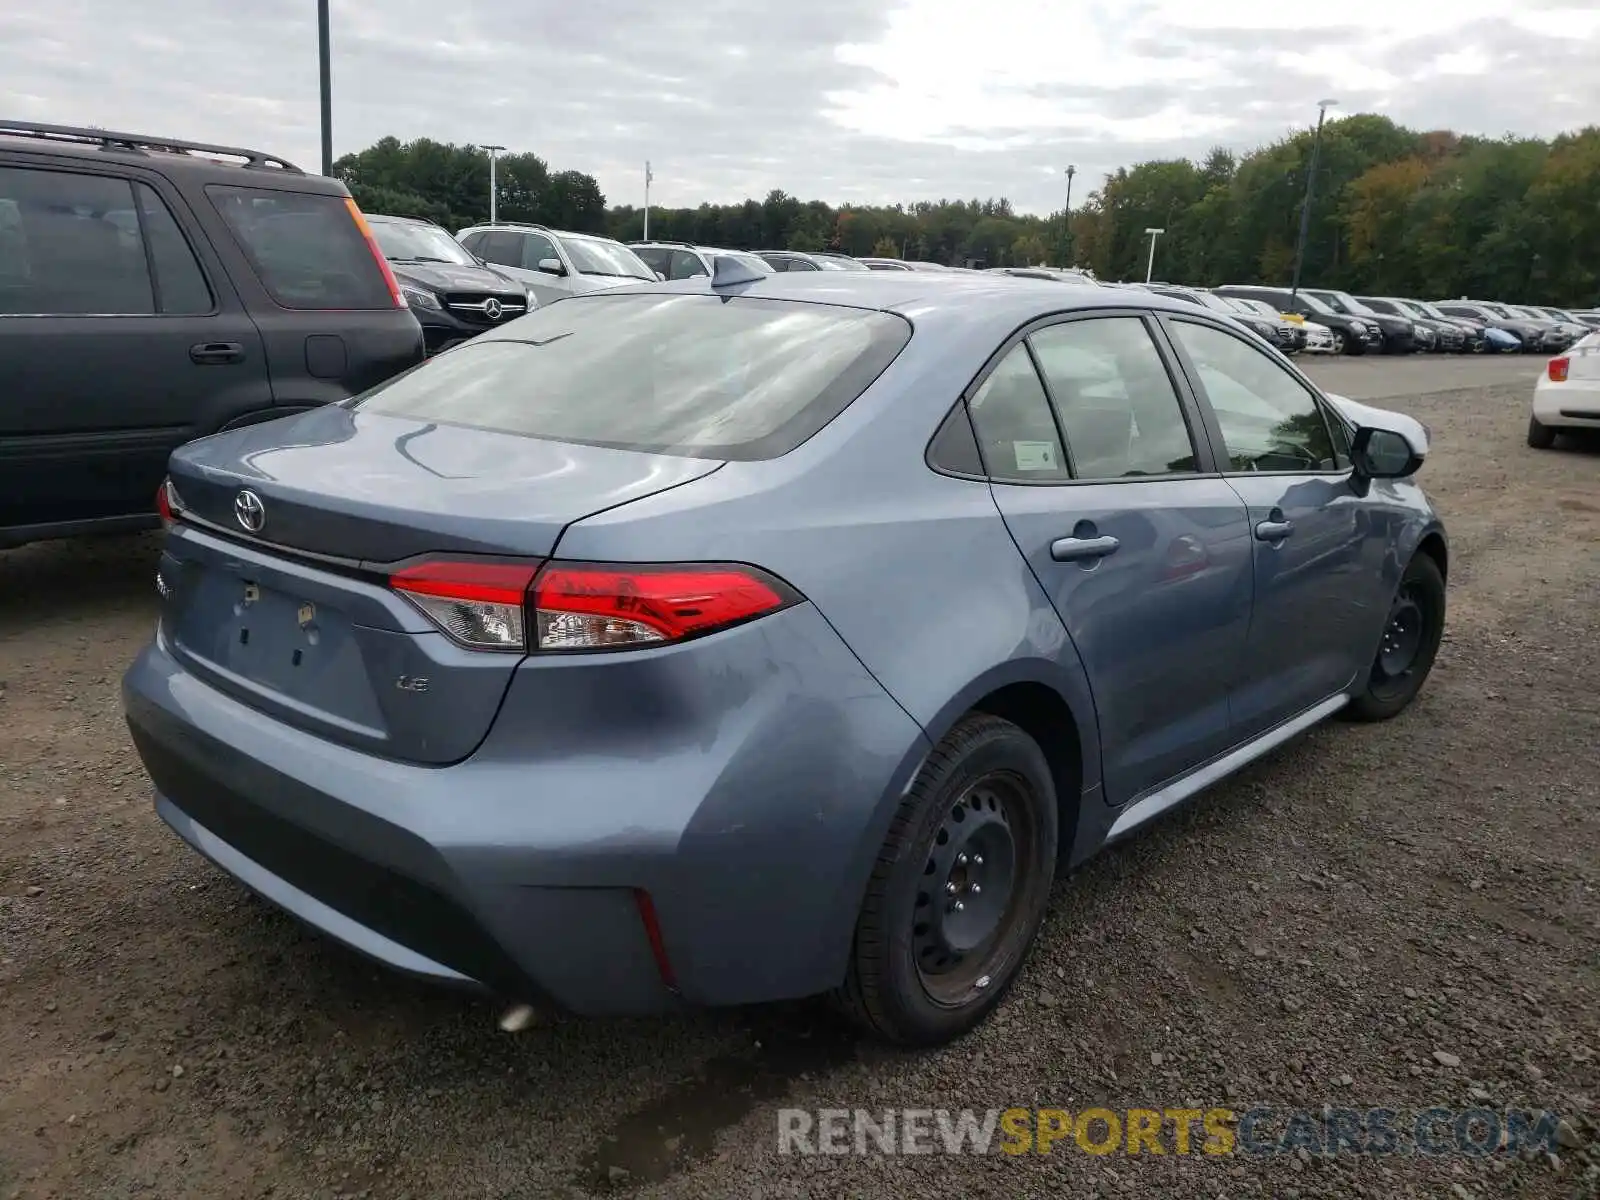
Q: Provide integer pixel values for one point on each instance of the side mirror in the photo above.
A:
(552, 266)
(660, 278)
(1383, 454)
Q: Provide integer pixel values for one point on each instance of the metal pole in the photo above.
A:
(1067, 218)
(1150, 267)
(1305, 208)
(647, 178)
(327, 86)
(494, 181)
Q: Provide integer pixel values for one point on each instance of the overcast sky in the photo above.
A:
(844, 100)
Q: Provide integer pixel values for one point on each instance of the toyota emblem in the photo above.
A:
(249, 511)
(492, 309)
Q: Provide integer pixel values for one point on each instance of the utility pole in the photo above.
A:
(325, 58)
(494, 182)
(1150, 268)
(647, 178)
(1067, 217)
(1305, 209)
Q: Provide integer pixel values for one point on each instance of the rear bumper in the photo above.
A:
(747, 798)
(1574, 404)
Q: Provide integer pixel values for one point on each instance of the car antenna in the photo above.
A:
(730, 272)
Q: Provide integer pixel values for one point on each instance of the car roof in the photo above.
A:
(1005, 301)
(233, 165)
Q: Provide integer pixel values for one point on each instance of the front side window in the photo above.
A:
(305, 247)
(685, 265)
(1017, 435)
(1269, 420)
(657, 258)
(595, 256)
(1118, 407)
(70, 246)
(536, 248)
(693, 375)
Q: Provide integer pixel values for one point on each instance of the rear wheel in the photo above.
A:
(959, 890)
(1540, 437)
(1409, 644)
(1341, 344)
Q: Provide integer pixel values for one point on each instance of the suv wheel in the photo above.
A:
(959, 890)
(1540, 437)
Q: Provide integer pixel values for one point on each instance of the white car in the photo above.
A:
(1319, 339)
(1567, 395)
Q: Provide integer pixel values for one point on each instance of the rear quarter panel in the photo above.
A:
(915, 571)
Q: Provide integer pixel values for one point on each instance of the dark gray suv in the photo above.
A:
(154, 291)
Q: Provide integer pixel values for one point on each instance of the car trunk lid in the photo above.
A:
(296, 617)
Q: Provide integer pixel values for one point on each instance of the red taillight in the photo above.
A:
(478, 604)
(168, 503)
(1559, 368)
(378, 255)
(584, 606)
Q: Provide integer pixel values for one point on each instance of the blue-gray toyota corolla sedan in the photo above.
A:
(730, 641)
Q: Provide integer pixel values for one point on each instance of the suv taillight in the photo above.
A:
(1558, 369)
(523, 607)
(378, 255)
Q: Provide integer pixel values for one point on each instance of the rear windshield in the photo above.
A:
(306, 248)
(694, 375)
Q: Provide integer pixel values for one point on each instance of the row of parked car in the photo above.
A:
(153, 291)
(550, 263)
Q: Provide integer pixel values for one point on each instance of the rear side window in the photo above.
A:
(182, 286)
(70, 246)
(700, 376)
(306, 248)
(1011, 416)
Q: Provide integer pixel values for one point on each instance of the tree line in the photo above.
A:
(1396, 211)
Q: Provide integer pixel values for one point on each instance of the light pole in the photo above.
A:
(494, 188)
(1067, 219)
(647, 178)
(324, 58)
(1305, 209)
(1150, 267)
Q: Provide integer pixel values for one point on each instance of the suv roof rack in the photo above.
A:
(661, 242)
(109, 139)
(512, 225)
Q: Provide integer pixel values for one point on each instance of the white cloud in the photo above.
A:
(867, 100)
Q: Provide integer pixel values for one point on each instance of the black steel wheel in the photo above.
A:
(1408, 644)
(959, 890)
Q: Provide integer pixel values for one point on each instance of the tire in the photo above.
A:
(1408, 646)
(1341, 344)
(1540, 437)
(923, 972)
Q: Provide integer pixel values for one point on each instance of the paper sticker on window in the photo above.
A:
(1035, 456)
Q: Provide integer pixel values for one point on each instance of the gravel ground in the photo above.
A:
(1403, 915)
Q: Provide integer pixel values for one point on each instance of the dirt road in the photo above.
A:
(1404, 916)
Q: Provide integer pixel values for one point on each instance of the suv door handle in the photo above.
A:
(214, 353)
(1072, 549)
(1273, 531)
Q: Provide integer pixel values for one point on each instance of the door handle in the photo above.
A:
(1273, 531)
(1072, 549)
(214, 353)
